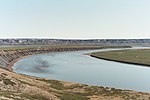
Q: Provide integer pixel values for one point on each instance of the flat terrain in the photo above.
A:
(139, 56)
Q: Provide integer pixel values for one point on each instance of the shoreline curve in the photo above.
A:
(9, 57)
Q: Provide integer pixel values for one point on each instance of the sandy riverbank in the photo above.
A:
(14, 61)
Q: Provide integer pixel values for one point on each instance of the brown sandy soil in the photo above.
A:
(9, 67)
(22, 87)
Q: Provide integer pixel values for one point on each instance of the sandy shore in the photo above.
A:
(11, 64)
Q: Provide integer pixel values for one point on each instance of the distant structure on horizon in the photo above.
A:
(131, 42)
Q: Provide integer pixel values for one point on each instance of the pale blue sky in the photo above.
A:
(75, 18)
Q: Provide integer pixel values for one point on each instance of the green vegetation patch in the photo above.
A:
(33, 97)
(76, 86)
(64, 95)
(71, 96)
(54, 84)
(141, 56)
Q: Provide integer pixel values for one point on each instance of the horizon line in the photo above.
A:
(68, 38)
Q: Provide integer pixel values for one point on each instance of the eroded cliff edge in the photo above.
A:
(11, 55)
(8, 56)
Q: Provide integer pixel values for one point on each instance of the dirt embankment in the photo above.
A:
(9, 56)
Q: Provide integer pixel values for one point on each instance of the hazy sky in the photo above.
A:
(75, 18)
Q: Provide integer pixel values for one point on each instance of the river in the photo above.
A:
(74, 66)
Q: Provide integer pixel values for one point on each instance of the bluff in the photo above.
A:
(108, 42)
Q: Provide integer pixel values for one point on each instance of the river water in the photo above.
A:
(74, 66)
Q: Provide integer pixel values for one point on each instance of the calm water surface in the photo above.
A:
(73, 66)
